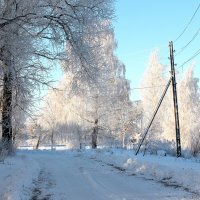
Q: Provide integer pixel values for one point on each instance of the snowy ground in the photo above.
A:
(97, 175)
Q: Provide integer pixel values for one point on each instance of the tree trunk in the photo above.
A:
(7, 109)
(52, 142)
(94, 134)
(123, 140)
(38, 143)
(79, 138)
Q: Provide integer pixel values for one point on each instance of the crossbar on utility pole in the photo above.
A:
(178, 141)
(154, 114)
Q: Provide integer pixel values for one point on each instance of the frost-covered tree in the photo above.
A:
(120, 119)
(93, 106)
(103, 89)
(34, 33)
(153, 84)
(188, 100)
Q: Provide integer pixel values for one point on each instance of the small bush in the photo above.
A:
(195, 145)
(6, 149)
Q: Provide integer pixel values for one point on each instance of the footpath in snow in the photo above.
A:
(103, 174)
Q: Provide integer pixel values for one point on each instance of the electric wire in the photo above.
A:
(192, 57)
(148, 87)
(188, 24)
(136, 88)
(185, 46)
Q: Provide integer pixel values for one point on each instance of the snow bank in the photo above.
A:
(16, 176)
(171, 171)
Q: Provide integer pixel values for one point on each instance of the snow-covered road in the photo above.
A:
(74, 176)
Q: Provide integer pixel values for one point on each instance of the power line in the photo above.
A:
(192, 57)
(184, 47)
(137, 88)
(148, 87)
(188, 24)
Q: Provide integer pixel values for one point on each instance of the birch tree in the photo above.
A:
(153, 84)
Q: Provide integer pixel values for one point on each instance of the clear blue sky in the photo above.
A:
(143, 25)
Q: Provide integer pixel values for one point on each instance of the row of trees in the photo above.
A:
(34, 36)
(92, 99)
(79, 112)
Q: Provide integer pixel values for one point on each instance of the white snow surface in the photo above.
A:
(102, 174)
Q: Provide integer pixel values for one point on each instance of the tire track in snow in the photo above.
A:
(43, 186)
(166, 182)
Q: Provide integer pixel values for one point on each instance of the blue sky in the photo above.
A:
(143, 25)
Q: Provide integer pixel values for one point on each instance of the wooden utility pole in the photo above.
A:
(178, 141)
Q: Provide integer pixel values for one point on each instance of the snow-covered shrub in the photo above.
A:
(6, 149)
(154, 147)
(195, 145)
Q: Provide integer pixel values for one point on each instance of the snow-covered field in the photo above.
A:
(102, 174)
